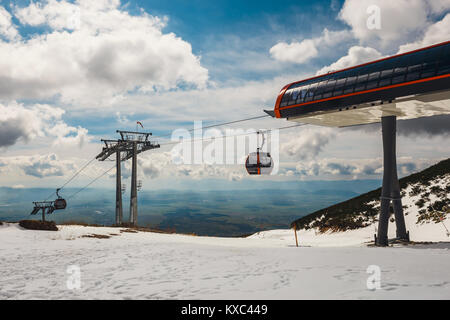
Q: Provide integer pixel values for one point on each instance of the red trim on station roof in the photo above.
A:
(366, 91)
(277, 104)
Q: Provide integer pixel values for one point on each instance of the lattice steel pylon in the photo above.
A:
(138, 142)
(115, 147)
(128, 147)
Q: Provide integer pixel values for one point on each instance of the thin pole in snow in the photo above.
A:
(442, 219)
(296, 239)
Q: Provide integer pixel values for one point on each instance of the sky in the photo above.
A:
(73, 72)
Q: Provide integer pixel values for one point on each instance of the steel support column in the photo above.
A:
(130, 144)
(391, 187)
(133, 198)
(119, 209)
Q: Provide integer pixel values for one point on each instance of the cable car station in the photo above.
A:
(406, 86)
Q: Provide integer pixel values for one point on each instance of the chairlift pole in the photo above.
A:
(441, 219)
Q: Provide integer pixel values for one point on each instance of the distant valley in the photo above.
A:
(225, 213)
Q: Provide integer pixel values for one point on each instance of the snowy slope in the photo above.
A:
(421, 227)
(424, 197)
(267, 265)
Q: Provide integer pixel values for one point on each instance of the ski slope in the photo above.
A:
(267, 265)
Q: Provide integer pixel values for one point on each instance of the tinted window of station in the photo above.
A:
(430, 59)
(444, 61)
(397, 70)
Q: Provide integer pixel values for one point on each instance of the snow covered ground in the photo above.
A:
(267, 265)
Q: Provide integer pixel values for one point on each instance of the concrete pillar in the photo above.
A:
(133, 198)
(391, 188)
(119, 209)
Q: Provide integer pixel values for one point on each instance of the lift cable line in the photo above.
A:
(73, 177)
(94, 180)
(219, 125)
(77, 173)
(235, 135)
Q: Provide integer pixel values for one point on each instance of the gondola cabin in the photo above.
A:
(259, 163)
(60, 204)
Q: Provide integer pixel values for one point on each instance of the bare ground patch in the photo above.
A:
(38, 225)
(96, 236)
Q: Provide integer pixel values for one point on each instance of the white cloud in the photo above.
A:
(305, 50)
(213, 104)
(7, 28)
(56, 14)
(122, 119)
(436, 33)
(161, 164)
(107, 54)
(40, 166)
(438, 6)
(357, 168)
(356, 55)
(307, 143)
(297, 52)
(155, 164)
(71, 136)
(401, 20)
(205, 171)
(20, 123)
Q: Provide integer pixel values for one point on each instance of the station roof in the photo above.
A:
(418, 76)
